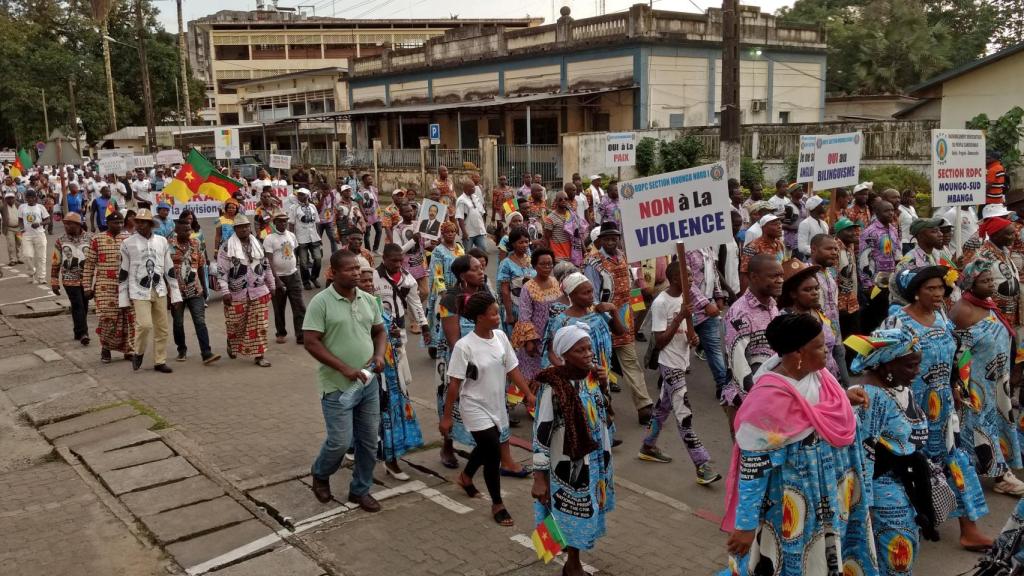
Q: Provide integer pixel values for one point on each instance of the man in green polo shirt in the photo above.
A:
(344, 331)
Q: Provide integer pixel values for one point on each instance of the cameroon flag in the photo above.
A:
(21, 163)
(198, 176)
(548, 540)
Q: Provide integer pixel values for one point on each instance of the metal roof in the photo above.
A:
(135, 132)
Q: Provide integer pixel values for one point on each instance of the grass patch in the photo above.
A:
(141, 408)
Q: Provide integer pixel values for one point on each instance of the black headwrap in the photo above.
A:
(791, 332)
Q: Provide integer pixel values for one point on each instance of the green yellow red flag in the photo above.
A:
(548, 540)
(198, 176)
(22, 163)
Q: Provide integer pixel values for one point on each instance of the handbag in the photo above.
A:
(943, 498)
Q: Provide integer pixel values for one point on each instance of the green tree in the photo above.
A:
(970, 24)
(680, 153)
(647, 156)
(1010, 16)
(1002, 135)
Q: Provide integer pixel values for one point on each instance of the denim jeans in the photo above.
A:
(309, 261)
(478, 242)
(329, 228)
(352, 416)
(197, 309)
(710, 333)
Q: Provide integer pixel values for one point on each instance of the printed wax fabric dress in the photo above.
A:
(399, 429)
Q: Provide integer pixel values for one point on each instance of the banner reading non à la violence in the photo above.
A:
(690, 206)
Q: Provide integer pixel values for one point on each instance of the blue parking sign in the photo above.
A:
(435, 133)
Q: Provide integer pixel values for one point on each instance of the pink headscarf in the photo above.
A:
(781, 416)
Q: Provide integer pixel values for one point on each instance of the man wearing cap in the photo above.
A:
(280, 247)
(609, 273)
(162, 223)
(188, 258)
(11, 227)
(246, 283)
(769, 244)
(860, 212)
(880, 250)
(757, 211)
(811, 226)
(32, 218)
(146, 282)
(974, 242)
(847, 234)
(66, 269)
(304, 224)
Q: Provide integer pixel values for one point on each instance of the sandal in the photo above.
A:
(522, 473)
(503, 518)
(470, 489)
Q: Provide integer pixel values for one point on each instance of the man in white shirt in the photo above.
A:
(907, 214)
(280, 247)
(147, 280)
(470, 216)
(304, 219)
(117, 189)
(779, 199)
(263, 179)
(33, 218)
(594, 191)
(811, 226)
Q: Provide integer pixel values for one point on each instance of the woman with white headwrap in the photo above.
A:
(512, 220)
(601, 319)
(573, 480)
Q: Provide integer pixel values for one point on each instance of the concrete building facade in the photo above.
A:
(638, 69)
(230, 46)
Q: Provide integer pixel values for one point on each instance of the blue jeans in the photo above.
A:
(352, 416)
(710, 332)
(478, 242)
(329, 228)
(196, 307)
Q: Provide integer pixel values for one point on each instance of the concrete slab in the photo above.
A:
(339, 483)
(286, 561)
(180, 523)
(169, 496)
(19, 362)
(290, 502)
(87, 421)
(38, 372)
(48, 355)
(67, 406)
(132, 438)
(197, 550)
(10, 340)
(107, 431)
(47, 390)
(146, 475)
(126, 457)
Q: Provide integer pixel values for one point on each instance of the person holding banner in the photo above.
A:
(609, 273)
(573, 479)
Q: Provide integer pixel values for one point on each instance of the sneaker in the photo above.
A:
(180, 358)
(707, 475)
(699, 353)
(162, 368)
(210, 358)
(653, 454)
(350, 455)
(1009, 485)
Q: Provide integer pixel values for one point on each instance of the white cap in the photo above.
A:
(948, 216)
(813, 202)
(344, 187)
(863, 186)
(594, 233)
(993, 210)
(9, 195)
(766, 219)
(302, 191)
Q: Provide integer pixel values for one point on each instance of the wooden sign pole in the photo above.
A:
(684, 277)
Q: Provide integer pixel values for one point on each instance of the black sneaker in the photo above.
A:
(164, 368)
(136, 361)
(210, 358)
(180, 358)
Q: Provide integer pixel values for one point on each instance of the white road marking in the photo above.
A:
(560, 559)
(442, 500)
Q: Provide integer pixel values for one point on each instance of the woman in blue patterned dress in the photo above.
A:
(988, 434)
(572, 458)
(513, 272)
(892, 429)
(602, 320)
(925, 288)
(440, 277)
(795, 501)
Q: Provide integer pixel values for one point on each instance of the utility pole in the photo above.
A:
(46, 117)
(112, 109)
(74, 115)
(183, 57)
(147, 94)
(729, 129)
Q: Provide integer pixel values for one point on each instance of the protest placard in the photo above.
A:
(958, 167)
(837, 160)
(805, 162)
(690, 206)
(113, 165)
(169, 157)
(282, 161)
(620, 149)
(143, 161)
(8, 155)
(226, 145)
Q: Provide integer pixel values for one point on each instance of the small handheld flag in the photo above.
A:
(548, 540)
(514, 397)
(111, 208)
(636, 300)
(511, 205)
(964, 366)
(865, 345)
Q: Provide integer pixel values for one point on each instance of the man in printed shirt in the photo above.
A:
(146, 281)
(608, 207)
(925, 252)
(769, 244)
(66, 269)
(847, 233)
(189, 260)
(825, 253)
(879, 252)
(708, 299)
(745, 323)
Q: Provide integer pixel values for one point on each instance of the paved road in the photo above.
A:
(256, 427)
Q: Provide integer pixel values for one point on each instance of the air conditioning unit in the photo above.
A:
(758, 105)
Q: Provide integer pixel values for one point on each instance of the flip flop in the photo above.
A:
(522, 473)
(503, 518)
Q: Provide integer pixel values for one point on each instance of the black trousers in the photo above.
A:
(79, 310)
(487, 453)
(291, 293)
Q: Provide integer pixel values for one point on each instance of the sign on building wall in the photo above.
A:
(958, 167)
(168, 157)
(435, 134)
(620, 149)
(113, 165)
(690, 206)
(226, 143)
(837, 160)
(805, 163)
(281, 161)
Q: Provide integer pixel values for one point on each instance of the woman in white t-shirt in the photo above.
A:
(480, 362)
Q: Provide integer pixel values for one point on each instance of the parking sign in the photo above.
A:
(435, 133)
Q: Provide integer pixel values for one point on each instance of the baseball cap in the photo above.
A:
(766, 219)
(813, 202)
(843, 224)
